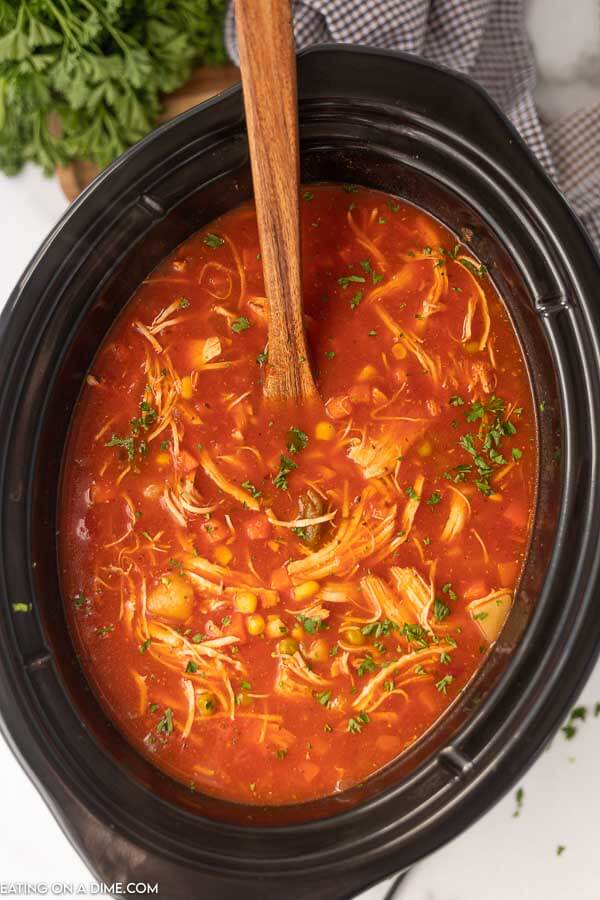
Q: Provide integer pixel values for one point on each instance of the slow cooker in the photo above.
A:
(407, 127)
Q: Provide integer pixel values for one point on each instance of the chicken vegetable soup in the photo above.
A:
(271, 607)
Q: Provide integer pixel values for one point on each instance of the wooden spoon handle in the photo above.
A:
(268, 64)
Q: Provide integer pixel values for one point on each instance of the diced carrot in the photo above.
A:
(280, 580)
(308, 769)
(476, 589)
(236, 627)
(258, 528)
(516, 514)
(186, 462)
(360, 393)
(507, 573)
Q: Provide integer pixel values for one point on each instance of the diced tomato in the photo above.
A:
(360, 393)
(280, 580)
(186, 462)
(258, 528)
(215, 530)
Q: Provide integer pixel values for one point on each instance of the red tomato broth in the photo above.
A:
(129, 523)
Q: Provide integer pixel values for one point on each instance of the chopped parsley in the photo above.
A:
(330, 354)
(251, 489)
(379, 629)
(367, 664)
(165, 724)
(443, 683)
(262, 359)
(441, 611)
(356, 299)
(434, 499)
(311, 626)
(307, 195)
(191, 667)
(241, 324)
(477, 271)
(145, 644)
(286, 465)
(346, 280)
(323, 698)
(213, 240)
(411, 493)
(297, 440)
(355, 726)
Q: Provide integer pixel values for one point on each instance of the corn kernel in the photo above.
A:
(163, 459)
(425, 448)
(255, 624)
(354, 636)
(187, 388)
(206, 703)
(246, 602)
(368, 373)
(275, 627)
(287, 646)
(307, 590)
(223, 555)
(325, 431)
(399, 350)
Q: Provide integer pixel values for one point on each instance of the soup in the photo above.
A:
(271, 608)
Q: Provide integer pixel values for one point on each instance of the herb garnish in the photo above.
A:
(241, 324)
(286, 465)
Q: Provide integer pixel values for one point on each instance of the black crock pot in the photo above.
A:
(386, 121)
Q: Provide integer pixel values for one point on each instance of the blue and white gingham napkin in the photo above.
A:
(486, 39)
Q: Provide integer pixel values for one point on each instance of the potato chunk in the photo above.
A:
(173, 598)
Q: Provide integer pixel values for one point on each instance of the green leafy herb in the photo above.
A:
(379, 629)
(346, 280)
(286, 465)
(367, 664)
(324, 698)
(441, 611)
(96, 68)
(281, 753)
(415, 634)
(356, 298)
(191, 667)
(183, 303)
(355, 726)
(126, 443)
(411, 493)
(297, 440)
(478, 271)
(262, 359)
(560, 849)
(311, 626)
(165, 724)
(443, 683)
(144, 646)
(241, 324)
(434, 499)
(307, 195)
(252, 490)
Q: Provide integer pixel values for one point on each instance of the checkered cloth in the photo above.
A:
(485, 39)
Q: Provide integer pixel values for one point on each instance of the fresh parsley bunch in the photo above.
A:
(82, 79)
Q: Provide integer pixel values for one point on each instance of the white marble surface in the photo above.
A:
(501, 856)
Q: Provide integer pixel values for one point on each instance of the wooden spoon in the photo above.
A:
(268, 66)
